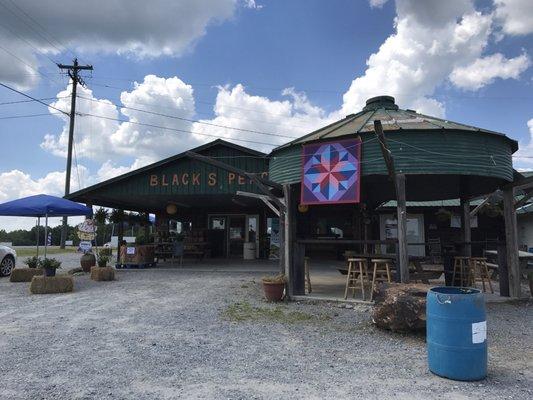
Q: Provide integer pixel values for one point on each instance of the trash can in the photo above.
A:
(249, 251)
(456, 333)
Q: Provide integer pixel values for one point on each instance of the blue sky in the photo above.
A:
(468, 61)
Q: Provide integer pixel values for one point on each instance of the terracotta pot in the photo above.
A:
(87, 261)
(273, 291)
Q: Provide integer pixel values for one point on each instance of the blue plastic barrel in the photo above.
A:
(456, 333)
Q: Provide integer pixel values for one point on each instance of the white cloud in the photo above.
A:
(377, 3)
(485, 70)
(515, 16)
(523, 158)
(101, 139)
(289, 118)
(17, 184)
(133, 27)
(431, 38)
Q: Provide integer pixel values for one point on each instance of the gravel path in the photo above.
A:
(166, 334)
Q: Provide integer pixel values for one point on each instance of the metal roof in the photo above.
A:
(392, 118)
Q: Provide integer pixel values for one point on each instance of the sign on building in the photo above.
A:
(331, 172)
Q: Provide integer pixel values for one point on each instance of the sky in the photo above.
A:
(173, 74)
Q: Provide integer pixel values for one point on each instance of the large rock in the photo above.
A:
(400, 307)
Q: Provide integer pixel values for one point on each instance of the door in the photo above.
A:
(237, 235)
(217, 236)
(415, 233)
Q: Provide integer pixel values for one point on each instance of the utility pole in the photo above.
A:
(73, 73)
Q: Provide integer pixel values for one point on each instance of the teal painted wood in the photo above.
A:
(192, 177)
(456, 333)
(416, 152)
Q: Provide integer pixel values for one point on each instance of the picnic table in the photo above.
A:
(525, 268)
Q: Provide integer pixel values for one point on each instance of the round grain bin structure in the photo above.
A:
(441, 159)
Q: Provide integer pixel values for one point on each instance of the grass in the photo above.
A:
(24, 251)
(244, 311)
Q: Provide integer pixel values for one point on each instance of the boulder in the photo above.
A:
(400, 307)
(102, 273)
(24, 274)
(51, 284)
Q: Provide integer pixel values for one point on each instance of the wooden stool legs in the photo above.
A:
(307, 277)
(356, 271)
(381, 273)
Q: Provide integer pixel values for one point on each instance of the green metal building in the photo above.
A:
(466, 160)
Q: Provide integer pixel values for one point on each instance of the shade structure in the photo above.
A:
(43, 205)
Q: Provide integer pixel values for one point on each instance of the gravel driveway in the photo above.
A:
(166, 334)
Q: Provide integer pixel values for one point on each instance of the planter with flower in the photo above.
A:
(50, 265)
(274, 287)
(101, 271)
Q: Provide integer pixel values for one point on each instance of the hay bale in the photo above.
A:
(24, 274)
(102, 273)
(51, 284)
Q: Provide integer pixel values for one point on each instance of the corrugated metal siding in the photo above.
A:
(434, 152)
(140, 184)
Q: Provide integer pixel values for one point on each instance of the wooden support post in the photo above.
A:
(467, 232)
(403, 255)
(511, 239)
(282, 265)
(120, 237)
(287, 239)
(503, 274)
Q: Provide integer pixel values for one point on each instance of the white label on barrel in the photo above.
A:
(479, 332)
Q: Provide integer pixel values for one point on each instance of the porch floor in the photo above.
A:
(327, 283)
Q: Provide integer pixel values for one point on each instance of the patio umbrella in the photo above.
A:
(43, 205)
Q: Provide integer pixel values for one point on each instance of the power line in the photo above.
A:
(210, 103)
(176, 129)
(191, 120)
(24, 62)
(28, 115)
(34, 99)
(30, 101)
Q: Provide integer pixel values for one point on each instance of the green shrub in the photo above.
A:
(33, 262)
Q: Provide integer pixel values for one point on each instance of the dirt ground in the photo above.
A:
(170, 333)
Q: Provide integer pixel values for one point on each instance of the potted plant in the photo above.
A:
(33, 262)
(87, 260)
(103, 258)
(274, 287)
(49, 266)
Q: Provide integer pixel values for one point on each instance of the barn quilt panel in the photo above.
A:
(331, 172)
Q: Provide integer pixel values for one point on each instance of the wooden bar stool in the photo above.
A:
(356, 272)
(381, 273)
(308, 288)
(481, 270)
(462, 268)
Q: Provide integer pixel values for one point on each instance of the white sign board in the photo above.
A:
(85, 246)
(130, 250)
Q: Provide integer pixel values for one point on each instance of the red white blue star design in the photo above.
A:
(331, 172)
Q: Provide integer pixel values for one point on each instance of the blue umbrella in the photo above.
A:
(43, 205)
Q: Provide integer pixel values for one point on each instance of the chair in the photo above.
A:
(356, 272)
(481, 270)
(308, 288)
(462, 268)
(381, 273)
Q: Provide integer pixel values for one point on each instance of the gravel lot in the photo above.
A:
(168, 333)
